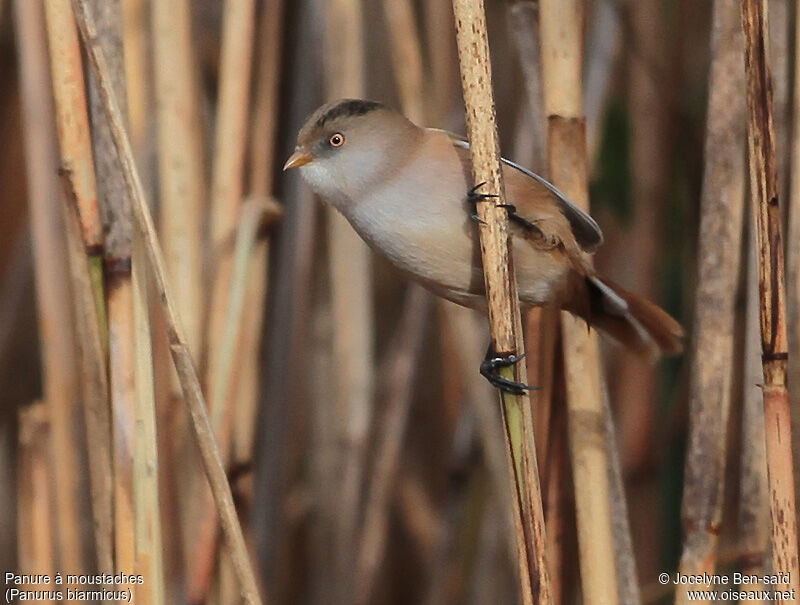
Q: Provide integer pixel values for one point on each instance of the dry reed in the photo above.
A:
(793, 254)
(721, 220)
(180, 160)
(230, 145)
(561, 61)
(262, 165)
(115, 211)
(501, 295)
(401, 373)
(351, 299)
(767, 214)
(57, 341)
(753, 532)
(147, 515)
(36, 548)
(85, 243)
(178, 345)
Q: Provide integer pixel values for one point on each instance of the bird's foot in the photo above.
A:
(492, 362)
(473, 197)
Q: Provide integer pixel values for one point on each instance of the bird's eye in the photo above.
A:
(336, 140)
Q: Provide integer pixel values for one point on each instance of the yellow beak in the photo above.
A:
(300, 157)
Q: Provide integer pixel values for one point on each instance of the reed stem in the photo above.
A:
(722, 209)
(85, 244)
(769, 241)
(562, 31)
(178, 345)
(501, 294)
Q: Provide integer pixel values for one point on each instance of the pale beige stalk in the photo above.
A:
(767, 211)
(262, 164)
(85, 245)
(722, 210)
(562, 60)
(178, 345)
(351, 294)
(180, 160)
(501, 295)
(227, 181)
(139, 78)
(145, 446)
(55, 321)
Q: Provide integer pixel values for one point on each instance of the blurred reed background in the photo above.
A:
(364, 452)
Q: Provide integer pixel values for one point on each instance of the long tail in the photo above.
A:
(631, 319)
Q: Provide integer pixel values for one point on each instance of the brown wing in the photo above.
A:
(544, 215)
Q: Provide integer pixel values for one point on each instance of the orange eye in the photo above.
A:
(336, 140)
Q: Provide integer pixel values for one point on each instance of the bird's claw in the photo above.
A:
(492, 362)
(474, 197)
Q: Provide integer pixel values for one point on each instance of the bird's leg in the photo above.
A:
(490, 365)
(473, 197)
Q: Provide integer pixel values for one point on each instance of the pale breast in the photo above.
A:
(420, 221)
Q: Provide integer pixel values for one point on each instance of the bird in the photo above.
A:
(407, 191)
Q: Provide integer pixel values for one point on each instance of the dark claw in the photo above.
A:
(477, 219)
(474, 197)
(489, 368)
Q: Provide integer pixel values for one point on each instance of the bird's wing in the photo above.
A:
(543, 211)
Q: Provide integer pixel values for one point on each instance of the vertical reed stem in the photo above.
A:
(85, 239)
(178, 344)
(351, 299)
(57, 342)
(180, 159)
(501, 295)
(145, 445)
(230, 144)
(115, 207)
(766, 207)
(562, 31)
(722, 212)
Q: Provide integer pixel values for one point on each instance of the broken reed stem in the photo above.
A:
(177, 340)
(148, 540)
(227, 181)
(351, 296)
(766, 207)
(85, 249)
(180, 160)
(722, 205)
(56, 338)
(501, 295)
(119, 292)
(562, 30)
(401, 374)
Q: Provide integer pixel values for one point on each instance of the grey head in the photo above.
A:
(347, 146)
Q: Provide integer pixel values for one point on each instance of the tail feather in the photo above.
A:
(632, 319)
